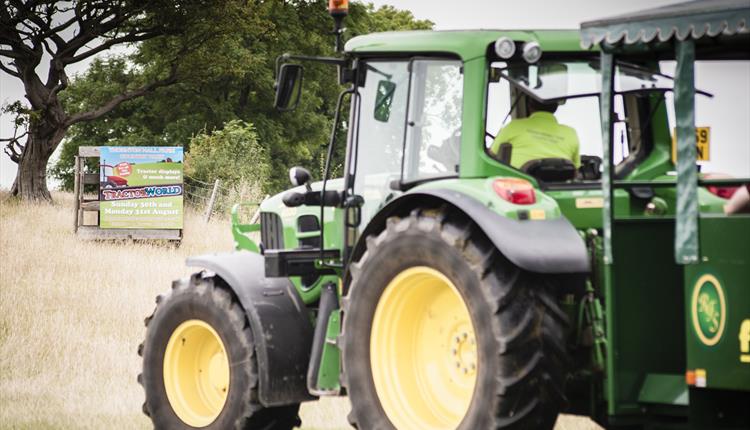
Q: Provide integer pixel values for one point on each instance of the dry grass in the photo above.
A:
(71, 317)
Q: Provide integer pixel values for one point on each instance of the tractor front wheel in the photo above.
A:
(443, 332)
(199, 367)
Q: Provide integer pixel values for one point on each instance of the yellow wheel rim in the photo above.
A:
(423, 351)
(196, 373)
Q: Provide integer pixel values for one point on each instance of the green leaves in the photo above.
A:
(226, 83)
(231, 154)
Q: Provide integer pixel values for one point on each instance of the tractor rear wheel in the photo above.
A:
(199, 367)
(443, 332)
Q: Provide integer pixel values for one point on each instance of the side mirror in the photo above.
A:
(288, 87)
(300, 176)
(383, 100)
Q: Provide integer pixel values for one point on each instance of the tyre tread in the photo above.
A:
(531, 378)
(254, 416)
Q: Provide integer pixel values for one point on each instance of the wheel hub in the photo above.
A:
(463, 353)
(423, 351)
(196, 373)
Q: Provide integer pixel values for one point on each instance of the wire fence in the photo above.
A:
(198, 195)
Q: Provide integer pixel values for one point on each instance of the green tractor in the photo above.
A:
(439, 285)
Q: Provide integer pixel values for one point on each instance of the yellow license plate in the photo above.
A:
(702, 143)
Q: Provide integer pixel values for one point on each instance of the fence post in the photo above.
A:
(76, 191)
(211, 201)
(256, 215)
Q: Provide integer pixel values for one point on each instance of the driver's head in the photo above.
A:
(537, 106)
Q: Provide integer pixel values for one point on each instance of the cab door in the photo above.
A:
(407, 120)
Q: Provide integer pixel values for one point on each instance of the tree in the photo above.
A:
(62, 33)
(233, 89)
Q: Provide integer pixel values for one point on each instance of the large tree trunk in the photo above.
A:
(44, 136)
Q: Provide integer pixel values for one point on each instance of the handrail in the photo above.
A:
(701, 182)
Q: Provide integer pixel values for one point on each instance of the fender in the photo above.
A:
(541, 246)
(281, 327)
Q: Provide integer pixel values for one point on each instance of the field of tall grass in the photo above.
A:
(71, 318)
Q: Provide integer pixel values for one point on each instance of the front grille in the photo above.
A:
(271, 231)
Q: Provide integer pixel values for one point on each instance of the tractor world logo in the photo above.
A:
(141, 192)
(708, 309)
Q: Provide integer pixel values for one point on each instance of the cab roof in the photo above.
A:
(467, 44)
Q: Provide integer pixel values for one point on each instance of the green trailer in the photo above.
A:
(441, 285)
(697, 305)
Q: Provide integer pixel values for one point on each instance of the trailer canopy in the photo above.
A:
(678, 22)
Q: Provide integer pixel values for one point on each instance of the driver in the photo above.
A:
(538, 136)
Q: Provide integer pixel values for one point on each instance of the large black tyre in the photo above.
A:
(207, 300)
(519, 327)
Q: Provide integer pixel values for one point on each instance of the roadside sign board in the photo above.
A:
(140, 187)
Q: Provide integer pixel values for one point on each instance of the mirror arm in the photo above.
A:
(329, 155)
(325, 60)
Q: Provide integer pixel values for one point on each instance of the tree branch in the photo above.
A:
(59, 75)
(115, 101)
(91, 30)
(13, 142)
(108, 44)
(5, 69)
(10, 54)
(11, 151)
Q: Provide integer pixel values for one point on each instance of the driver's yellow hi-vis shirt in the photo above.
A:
(538, 136)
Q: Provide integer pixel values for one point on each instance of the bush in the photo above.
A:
(232, 155)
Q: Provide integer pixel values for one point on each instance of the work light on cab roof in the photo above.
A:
(505, 47)
(532, 52)
(338, 9)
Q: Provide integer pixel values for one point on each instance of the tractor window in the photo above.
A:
(507, 102)
(433, 132)
(380, 118)
(572, 88)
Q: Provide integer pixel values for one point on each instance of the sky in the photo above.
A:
(540, 14)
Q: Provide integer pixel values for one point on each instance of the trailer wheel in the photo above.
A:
(199, 366)
(443, 332)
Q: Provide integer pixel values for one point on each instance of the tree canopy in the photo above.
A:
(231, 79)
(61, 33)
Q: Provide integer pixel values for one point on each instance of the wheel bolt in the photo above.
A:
(454, 351)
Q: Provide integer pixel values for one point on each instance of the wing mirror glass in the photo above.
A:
(383, 100)
(300, 176)
(288, 87)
